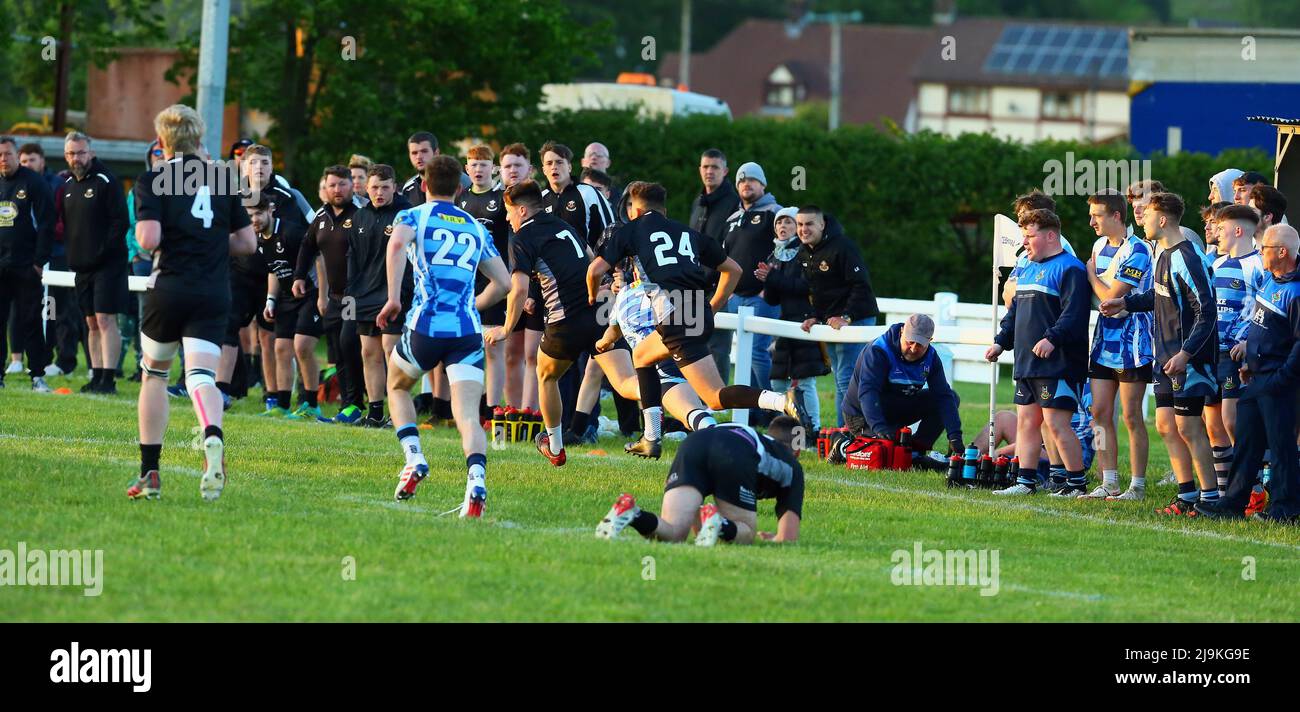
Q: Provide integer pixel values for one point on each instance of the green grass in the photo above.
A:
(303, 497)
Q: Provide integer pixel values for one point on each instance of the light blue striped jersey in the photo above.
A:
(1236, 280)
(634, 313)
(449, 244)
(1123, 343)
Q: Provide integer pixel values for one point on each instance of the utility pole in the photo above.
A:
(212, 70)
(62, 62)
(836, 21)
(684, 74)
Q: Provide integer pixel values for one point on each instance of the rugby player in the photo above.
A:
(1186, 351)
(368, 284)
(546, 247)
(1121, 355)
(522, 347)
(1047, 326)
(442, 324)
(672, 259)
(738, 467)
(192, 234)
(486, 202)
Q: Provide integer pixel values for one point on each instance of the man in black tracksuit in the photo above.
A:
(716, 202)
(368, 284)
(839, 289)
(327, 236)
(26, 234)
(92, 206)
(1266, 411)
(748, 241)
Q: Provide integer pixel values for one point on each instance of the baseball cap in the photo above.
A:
(751, 170)
(237, 148)
(918, 328)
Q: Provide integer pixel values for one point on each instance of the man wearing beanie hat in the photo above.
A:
(748, 241)
(899, 380)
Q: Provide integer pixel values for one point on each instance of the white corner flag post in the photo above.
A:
(1006, 239)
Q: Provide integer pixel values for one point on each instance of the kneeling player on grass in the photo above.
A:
(633, 318)
(195, 230)
(673, 259)
(738, 467)
(442, 326)
(1047, 326)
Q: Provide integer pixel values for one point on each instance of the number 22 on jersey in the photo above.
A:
(442, 241)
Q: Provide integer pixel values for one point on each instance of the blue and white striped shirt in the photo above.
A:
(1123, 343)
(1236, 280)
(449, 244)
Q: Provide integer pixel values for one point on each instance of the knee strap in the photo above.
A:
(197, 377)
(153, 372)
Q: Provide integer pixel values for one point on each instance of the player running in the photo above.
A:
(448, 248)
(192, 234)
(736, 465)
(671, 258)
(546, 247)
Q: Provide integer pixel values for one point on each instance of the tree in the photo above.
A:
(338, 79)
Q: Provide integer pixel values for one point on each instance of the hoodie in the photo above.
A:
(748, 240)
(1223, 180)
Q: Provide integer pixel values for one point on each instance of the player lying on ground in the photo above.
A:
(736, 465)
(442, 326)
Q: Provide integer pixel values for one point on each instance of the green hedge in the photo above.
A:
(912, 202)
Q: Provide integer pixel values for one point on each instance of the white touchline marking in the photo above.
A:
(1202, 533)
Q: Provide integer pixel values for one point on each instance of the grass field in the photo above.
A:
(302, 498)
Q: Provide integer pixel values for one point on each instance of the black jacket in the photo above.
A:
(95, 220)
(838, 282)
(749, 241)
(26, 219)
(368, 257)
(710, 211)
(793, 358)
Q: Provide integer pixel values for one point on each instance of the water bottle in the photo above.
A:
(954, 470)
(905, 438)
(986, 472)
(970, 465)
(1001, 472)
(1266, 474)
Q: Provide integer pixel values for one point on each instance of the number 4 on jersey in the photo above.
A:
(202, 207)
(664, 242)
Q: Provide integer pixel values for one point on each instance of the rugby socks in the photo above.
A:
(1110, 479)
(727, 532)
(409, 437)
(309, 396)
(1139, 483)
(1210, 495)
(282, 400)
(1222, 464)
(771, 400)
(645, 523)
(1028, 477)
(149, 457)
(738, 396)
(1077, 479)
(213, 431)
(477, 466)
(1187, 491)
(108, 377)
(95, 376)
(376, 410)
(1057, 474)
(579, 423)
(651, 402)
(556, 439)
(700, 419)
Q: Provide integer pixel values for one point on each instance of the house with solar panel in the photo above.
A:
(1025, 80)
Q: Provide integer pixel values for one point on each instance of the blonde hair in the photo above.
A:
(359, 161)
(180, 128)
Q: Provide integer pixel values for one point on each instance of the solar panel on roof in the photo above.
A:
(1060, 50)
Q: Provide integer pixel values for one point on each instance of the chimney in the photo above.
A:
(945, 12)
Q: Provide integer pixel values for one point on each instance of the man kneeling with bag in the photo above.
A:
(897, 381)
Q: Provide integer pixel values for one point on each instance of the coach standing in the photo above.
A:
(716, 202)
(839, 289)
(1266, 411)
(93, 210)
(26, 233)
